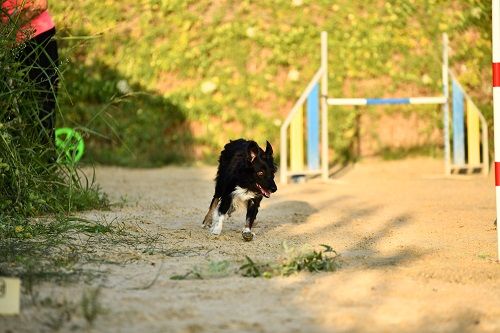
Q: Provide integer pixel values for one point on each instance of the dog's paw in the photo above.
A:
(247, 234)
(216, 229)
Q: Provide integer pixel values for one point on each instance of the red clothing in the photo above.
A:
(35, 27)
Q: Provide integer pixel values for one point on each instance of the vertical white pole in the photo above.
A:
(324, 105)
(495, 5)
(446, 107)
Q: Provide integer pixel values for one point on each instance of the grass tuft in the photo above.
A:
(314, 261)
(326, 260)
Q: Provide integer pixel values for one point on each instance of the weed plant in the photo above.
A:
(325, 260)
(32, 183)
(294, 261)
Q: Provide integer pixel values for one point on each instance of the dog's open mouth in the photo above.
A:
(264, 192)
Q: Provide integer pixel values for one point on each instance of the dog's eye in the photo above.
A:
(260, 173)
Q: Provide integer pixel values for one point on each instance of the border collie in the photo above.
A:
(245, 175)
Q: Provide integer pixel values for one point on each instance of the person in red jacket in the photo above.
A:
(38, 54)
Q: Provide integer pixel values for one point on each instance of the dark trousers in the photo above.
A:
(40, 58)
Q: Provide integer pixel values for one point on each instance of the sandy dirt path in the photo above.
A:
(418, 252)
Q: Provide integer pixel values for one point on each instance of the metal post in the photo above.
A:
(324, 105)
(495, 5)
(446, 108)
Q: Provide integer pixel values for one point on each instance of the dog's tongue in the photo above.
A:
(264, 192)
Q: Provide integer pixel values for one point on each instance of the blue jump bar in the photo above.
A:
(372, 101)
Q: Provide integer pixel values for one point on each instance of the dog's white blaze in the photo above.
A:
(241, 196)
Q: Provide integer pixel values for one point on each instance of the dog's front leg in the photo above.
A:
(207, 221)
(252, 210)
(220, 214)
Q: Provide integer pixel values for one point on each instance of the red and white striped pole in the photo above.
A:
(495, 27)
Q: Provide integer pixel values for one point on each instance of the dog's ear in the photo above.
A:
(269, 149)
(253, 150)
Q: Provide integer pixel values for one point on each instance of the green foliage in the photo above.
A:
(131, 126)
(326, 260)
(30, 182)
(315, 261)
(251, 269)
(217, 70)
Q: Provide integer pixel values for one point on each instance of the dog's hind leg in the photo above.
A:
(252, 210)
(220, 214)
(207, 221)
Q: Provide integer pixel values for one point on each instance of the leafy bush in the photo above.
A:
(227, 71)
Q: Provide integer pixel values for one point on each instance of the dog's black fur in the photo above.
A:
(242, 164)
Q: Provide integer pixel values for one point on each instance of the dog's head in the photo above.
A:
(261, 170)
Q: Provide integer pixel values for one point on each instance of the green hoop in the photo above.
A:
(69, 145)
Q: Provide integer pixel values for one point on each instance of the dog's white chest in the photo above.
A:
(241, 196)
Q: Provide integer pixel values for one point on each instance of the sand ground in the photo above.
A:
(418, 252)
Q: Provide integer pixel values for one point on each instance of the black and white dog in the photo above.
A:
(245, 175)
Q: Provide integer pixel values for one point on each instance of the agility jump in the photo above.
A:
(314, 100)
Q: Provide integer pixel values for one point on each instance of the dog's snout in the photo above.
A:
(273, 188)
